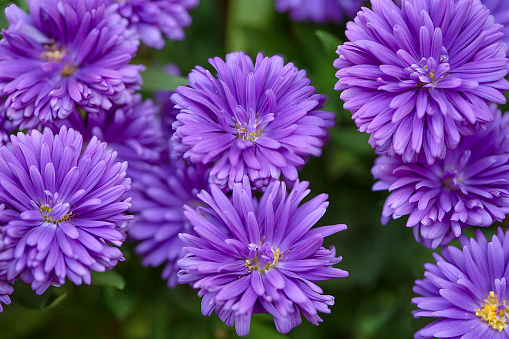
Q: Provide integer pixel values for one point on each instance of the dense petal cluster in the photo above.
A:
(500, 11)
(133, 131)
(5, 288)
(66, 208)
(420, 77)
(467, 290)
(155, 19)
(258, 120)
(319, 11)
(469, 187)
(64, 55)
(260, 256)
(159, 196)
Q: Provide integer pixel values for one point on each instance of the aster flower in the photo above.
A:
(133, 131)
(67, 205)
(257, 120)
(467, 290)
(63, 55)
(6, 126)
(155, 19)
(469, 187)
(500, 11)
(420, 77)
(260, 256)
(319, 11)
(5, 288)
(159, 197)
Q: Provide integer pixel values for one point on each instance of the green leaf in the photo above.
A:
(156, 79)
(120, 303)
(329, 41)
(108, 278)
(26, 297)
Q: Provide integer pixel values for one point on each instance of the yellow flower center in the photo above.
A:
(493, 312)
(49, 219)
(262, 262)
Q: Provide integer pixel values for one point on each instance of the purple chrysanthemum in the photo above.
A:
(68, 207)
(467, 290)
(319, 11)
(421, 77)
(133, 131)
(155, 19)
(500, 11)
(63, 55)
(260, 256)
(159, 197)
(257, 120)
(469, 187)
(5, 288)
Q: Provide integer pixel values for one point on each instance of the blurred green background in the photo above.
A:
(133, 302)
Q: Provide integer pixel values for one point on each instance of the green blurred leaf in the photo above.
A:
(108, 278)
(247, 14)
(329, 41)
(156, 79)
(120, 303)
(26, 297)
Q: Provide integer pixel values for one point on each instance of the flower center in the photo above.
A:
(262, 257)
(56, 214)
(250, 131)
(451, 179)
(428, 71)
(493, 312)
(54, 53)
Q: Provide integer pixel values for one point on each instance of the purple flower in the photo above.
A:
(5, 288)
(260, 256)
(133, 131)
(66, 208)
(421, 77)
(467, 290)
(500, 11)
(257, 120)
(65, 54)
(319, 11)
(159, 197)
(155, 19)
(469, 187)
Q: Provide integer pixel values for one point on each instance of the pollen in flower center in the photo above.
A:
(53, 53)
(495, 313)
(56, 214)
(428, 71)
(249, 131)
(262, 257)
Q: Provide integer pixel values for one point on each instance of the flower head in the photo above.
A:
(133, 131)
(260, 256)
(159, 196)
(319, 11)
(155, 19)
(500, 11)
(65, 54)
(420, 77)
(258, 120)
(469, 187)
(66, 208)
(467, 289)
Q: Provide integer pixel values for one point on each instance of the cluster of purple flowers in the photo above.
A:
(64, 69)
(205, 170)
(423, 78)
